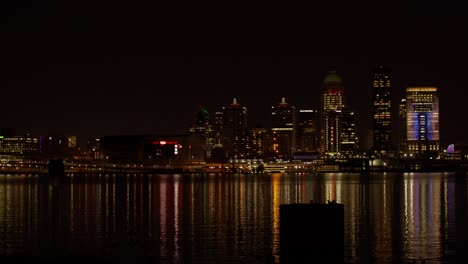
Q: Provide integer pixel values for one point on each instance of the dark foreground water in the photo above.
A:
(231, 219)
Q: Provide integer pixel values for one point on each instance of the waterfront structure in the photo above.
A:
(234, 130)
(402, 126)
(19, 148)
(422, 120)
(283, 122)
(164, 149)
(332, 102)
(59, 146)
(308, 130)
(381, 109)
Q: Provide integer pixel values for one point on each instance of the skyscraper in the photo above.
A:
(308, 130)
(402, 126)
(234, 130)
(331, 132)
(283, 119)
(203, 128)
(260, 142)
(332, 92)
(381, 108)
(332, 104)
(348, 138)
(422, 120)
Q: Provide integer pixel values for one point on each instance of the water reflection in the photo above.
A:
(231, 218)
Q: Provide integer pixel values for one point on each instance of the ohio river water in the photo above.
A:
(232, 218)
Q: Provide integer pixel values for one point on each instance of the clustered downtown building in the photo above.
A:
(294, 133)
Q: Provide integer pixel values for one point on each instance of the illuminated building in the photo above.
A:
(59, 146)
(422, 120)
(201, 121)
(234, 130)
(218, 153)
(382, 118)
(260, 142)
(402, 127)
(332, 92)
(18, 148)
(308, 130)
(203, 128)
(94, 148)
(163, 149)
(348, 138)
(331, 132)
(283, 119)
(332, 103)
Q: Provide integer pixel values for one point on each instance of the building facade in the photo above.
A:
(283, 122)
(332, 102)
(402, 127)
(19, 148)
(203, 128)
(94, 148)
(422, 120)
(308, 130)
(348, 137)
(234, 130)
(381, 109)
(157, 149)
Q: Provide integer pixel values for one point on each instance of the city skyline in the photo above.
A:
(93, 70)
(364, 127)
(181, 130)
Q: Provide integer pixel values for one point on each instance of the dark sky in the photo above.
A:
(91, 68)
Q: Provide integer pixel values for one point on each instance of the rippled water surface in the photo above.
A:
(231, 218)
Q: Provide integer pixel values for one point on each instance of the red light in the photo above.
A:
(164, 142)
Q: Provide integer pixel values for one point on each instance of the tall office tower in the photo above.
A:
(331, 132)
(382, 118)
(422, 120)
(218, 129)
(234, 130)
(332, 92)
(203, 129)
(308, 130)
(402, 126)
(348, 138)
(198, 127)
(283, 119)
(331, 105)
(259, 142)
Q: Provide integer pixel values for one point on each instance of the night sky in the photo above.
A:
(92, 68)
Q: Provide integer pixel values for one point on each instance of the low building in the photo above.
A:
(153, 148)
(18, 148)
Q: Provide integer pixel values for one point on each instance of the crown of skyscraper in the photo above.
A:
(332, 77)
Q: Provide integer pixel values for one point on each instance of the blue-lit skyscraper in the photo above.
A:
(422, 120)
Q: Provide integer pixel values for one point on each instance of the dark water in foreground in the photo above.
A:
(232, 219)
